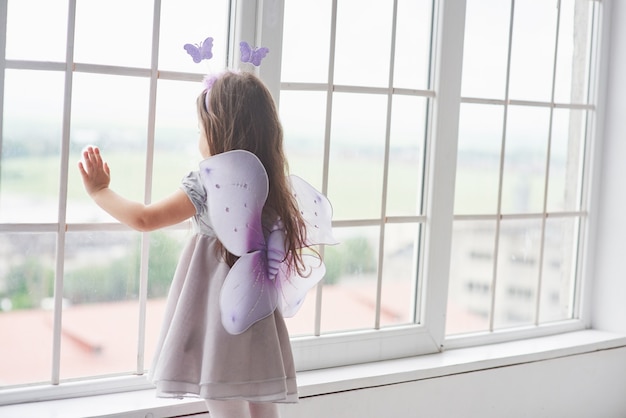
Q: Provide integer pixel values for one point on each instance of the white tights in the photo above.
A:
(242, 409)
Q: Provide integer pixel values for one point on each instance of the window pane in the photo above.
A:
(306, 41)
(413, 43)
(523, 181)
(119, 127)
(191, 22)
(357, 151)
(26, 316)
(406, 156)
(349, 292)
(36, 30)
(485, 48)
(574, 54)
(30, 158)
(559, 269)
(478, 159)
(101, 286)
(303, 323)
(532, 51)
(176, 136)
(518, 272)
(363, 44)
(128, 44)
(471, 273)
(303, 115)
(399, 283)
(566, 160)
(165, 249)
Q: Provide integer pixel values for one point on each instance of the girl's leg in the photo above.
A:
(264, 410)
(228, 409)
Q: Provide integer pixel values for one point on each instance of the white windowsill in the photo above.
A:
(143, 403)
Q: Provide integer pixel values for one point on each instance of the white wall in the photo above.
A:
(586, 386)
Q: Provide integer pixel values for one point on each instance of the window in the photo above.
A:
(361, 136)
(81, 295)
(357, 124)
(458, 172)
(521, 168)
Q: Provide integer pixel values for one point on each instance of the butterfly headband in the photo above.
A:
(204, 51)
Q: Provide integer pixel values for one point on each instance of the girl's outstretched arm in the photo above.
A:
(96, 178)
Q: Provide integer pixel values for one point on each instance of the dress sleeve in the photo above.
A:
(192, 186)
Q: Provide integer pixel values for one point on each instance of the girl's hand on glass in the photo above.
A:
(94, 171)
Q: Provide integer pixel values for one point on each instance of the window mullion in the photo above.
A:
(329, 107)
(496, 247)
(441, 172)
(383, 208)
(145, 237)
(269, 33)
(547, 170)
(588, 197)
(61, 234)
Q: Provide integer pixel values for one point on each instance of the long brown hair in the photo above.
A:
(241, 114)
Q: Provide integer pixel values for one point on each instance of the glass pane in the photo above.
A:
(26, 290)
(485, 48)
(128, 44)
(523, 181)
(349, 292)
(478, 159)
(413, 44)
(566, 159)
(471, 271)
(559, 269)
(118, 127)
(101, 286)
(36, 30)
(30, 157)
(176, 136)
(532, 51)
(406, 156)
(303, 115)
(363, 43)
(518, 272)
(306, 41)
(399, 286)
(303, 323)
(357, 155)
(574, 54)
(191, 22)
(165, 249)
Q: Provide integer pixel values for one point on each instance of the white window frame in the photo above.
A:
(252, 21)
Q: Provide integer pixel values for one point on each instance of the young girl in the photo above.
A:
(242, 374)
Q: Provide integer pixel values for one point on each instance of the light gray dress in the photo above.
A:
(195, 356)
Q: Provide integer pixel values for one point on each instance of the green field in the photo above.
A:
(355, 186)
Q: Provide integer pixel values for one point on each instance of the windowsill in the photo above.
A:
(143, 403)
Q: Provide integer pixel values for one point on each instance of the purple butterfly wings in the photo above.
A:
(236, 190)
(259, 282)
(251, 54)
(202, 51)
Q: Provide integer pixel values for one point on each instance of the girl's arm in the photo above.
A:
(96, 178)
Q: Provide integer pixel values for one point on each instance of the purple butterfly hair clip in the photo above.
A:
(252, 55)
(201, 51)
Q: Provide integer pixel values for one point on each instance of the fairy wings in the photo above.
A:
(260, 281)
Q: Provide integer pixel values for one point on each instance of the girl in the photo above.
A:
(239, 375)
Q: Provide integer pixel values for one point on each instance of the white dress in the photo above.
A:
(195, 355)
